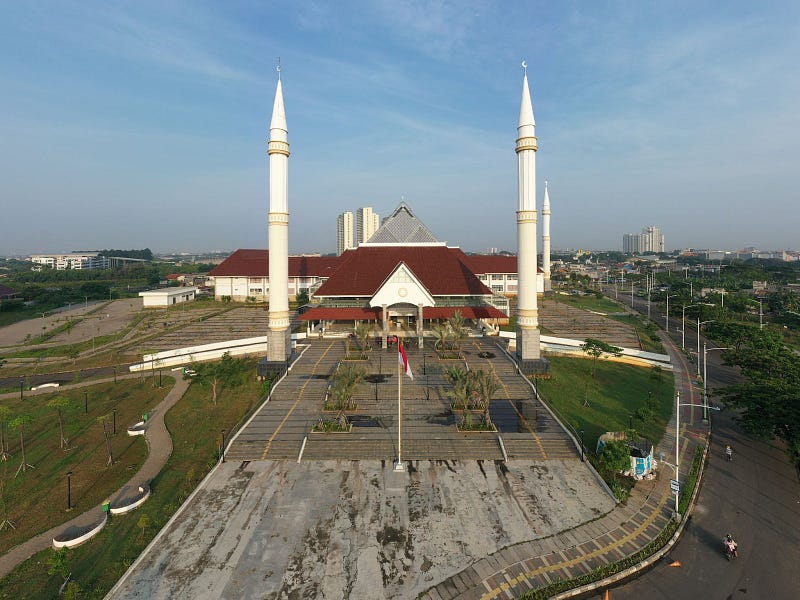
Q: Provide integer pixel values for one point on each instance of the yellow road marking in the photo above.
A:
(494, 593)
(296, 402)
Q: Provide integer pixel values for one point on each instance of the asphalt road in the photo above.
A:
(755, 498)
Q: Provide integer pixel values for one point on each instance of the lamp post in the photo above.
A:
(114, 412)
(683, 323)
(699, 325)
(678, 405)
(222, 431)
(582, 454)
(21, 386)
(69, 490)
(705, 378)
(668, 297)
(85, 402)
(115, 374)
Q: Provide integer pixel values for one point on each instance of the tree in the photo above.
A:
(597, 348)
(458, 331)
(60, 404)
(227, 372)
(5, 417)
(362, 333)
(143, 523)
(344, 383)
(768, 398)
(20, 423)
(57, 562)
(302, 297)
(486, 385)
(103, 419)
(442, 335)
(616, 456)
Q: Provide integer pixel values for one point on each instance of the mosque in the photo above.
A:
(403, 277)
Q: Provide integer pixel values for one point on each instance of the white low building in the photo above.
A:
(168, 296)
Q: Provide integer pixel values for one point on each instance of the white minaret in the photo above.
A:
(278, 150)
(546, 239)
(528, 348)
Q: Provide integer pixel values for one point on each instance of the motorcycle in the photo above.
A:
(731, 550)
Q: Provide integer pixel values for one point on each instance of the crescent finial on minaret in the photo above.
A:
(525, 66)
(278, 68)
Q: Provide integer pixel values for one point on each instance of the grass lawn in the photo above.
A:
(195, 424)
(591, 302)
(613, 395)
(36, 500)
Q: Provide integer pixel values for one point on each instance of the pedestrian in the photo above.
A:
(729, 453)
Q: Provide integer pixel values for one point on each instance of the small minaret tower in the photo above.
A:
(528, 345)
(546, 239)
(279, 334)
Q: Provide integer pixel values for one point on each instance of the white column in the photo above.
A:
(527, 311)
(546, 238)
(278, 150)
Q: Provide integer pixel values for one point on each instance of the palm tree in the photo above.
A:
(60, 403)
(442, 334)
(486, 385)
(20, 423)
(457, 329)
(362, 333)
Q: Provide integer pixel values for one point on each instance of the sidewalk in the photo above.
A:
(622, 532)
(159, 445)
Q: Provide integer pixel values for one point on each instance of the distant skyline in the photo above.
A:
(145, 124)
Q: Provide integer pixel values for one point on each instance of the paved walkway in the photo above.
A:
(159, 444)
(624, 531)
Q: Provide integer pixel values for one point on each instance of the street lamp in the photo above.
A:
(69, 490)
(699, 325)
(683, 323)
(678, 405)
(582, 455)
(86, 402)
(705, 378)
(114, 412)
(668, 297)
(222, 431)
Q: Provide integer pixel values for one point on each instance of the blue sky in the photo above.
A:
(144, 124)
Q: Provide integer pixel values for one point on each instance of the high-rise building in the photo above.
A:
(630, 243)
(344, 232)
(650, 240)
(367, 223)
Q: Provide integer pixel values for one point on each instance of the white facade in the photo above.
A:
(367, 223)
(167, 296)
(344, 232)
(74, 260)
(256, 289)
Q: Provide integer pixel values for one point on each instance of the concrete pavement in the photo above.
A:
(621, 533)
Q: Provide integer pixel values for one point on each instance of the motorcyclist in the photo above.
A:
(730, 545)
(728, 452)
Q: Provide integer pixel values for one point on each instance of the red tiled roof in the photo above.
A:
(468, 312)
(322, 313)
(440, 269)
(255, 263)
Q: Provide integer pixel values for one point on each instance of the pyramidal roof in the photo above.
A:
(402, 227)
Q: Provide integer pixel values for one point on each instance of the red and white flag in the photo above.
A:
(403, 359)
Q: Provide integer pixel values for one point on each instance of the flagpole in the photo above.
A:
(400, 373)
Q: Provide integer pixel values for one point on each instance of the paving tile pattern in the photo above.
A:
(428, 423)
